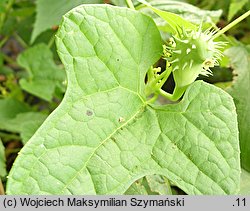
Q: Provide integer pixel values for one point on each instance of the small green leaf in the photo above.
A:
(104, 135)
(186, 11)
(175, 22)
(43, 74)
(25, 123)
(49, 13)
(235, 6)
(2, 161)
(17, 117)
(240, 62)
(10, 108)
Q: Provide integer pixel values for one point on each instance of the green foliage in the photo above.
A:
(240, 62)
(193, 143)
(235, 6)
(44, 76)
(54, 11)
(11, 108)
(26, 124)
(2, 161)
(113, 118)
(187, 11)
(18, 118)
(174, 22)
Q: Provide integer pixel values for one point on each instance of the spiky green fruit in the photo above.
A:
(193, 54)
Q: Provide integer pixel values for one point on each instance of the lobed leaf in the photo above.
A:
(104, 135)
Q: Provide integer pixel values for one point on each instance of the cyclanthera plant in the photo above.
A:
(107, 132)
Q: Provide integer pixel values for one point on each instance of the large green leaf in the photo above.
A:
(43, 74)
(104, 135)
(49, 13)
(240, 62)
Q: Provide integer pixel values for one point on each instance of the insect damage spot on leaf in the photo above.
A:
(89, 113)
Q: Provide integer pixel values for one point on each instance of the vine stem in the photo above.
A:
(130, 4)
(232, 24)
(20, 40)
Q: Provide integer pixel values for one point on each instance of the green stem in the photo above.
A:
(165, 78)
(153, 99)
(9, 60)
(51, 41)
(130, 4)
(140, 6)
(153, 85)
(232, 24)
(3, 41)
(20, 40)
(178, 92)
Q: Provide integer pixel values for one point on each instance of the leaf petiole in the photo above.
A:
(153, 99)
(130, 4)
